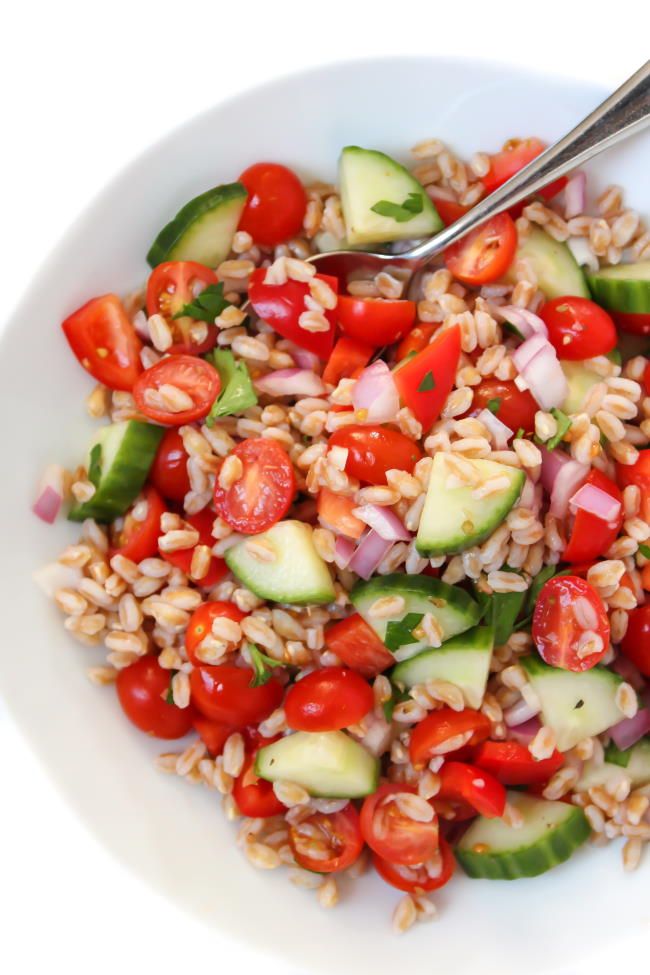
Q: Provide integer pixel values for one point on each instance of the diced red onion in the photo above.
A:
(303, 357)
(50, 496)
(582, 253)
(291, 382)
(520, 713)
(624, 667)
(376, 394)
(524, 733)
(630, 730)
(527, 351)
(544, 375)
(575, 195)
(54, 576)
(370, 551)
(596, 502)
(384, 521)
(499, 430)
(141, 326)
(552, 463)
(526, 322)
(521, 383)
(344, 549)
(531, 496)
(568, 478)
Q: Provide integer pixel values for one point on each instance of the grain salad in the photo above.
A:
(374, 555)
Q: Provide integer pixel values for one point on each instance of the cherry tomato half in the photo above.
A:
(105, 342)
(195, 378)
(138, 540)
(485, 254)
(263, 493)
(376, 321)
(276, 203)
(142, 688)
(570, 624)
(373, 450)
(636, 642)
(224, 694)
(512, 764)
(357, 645)
(578, 328)
(591, 536)
(425, 381)
(182, 557)
(171, 286)
(200, 624)
(281, 305)
(327, 700)
(213, 734)
(516, 154)
(445, 731)
(473, 786)
(438, 871)
(169, 469)
(448, 210)
(514, 407)
(338, 836)
(416, 340)
(254, 796)
(637, 474)
(634, 322)
(347, 356)
(391, 833)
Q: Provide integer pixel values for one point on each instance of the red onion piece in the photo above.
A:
(371, 550)
(376, 394)
(531, 496)
(524, 733)
(291, 382)
(552, 463)
(630, 730)
(545, 376)
(384, 521)
(520, 713)
(568, 480)
(54, 576)
(526, 322)
(596, 502)
(527, 351)
(344, 549)
(303, 357)
(575, 195)
(582, 253)
(50, 495)
(499, 430)
(624, 667)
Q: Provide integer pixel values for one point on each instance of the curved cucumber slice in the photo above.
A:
(633, 764)
(371, 179)
(119, 459)
(550, 833)
(554, 265)
(297, 575)
(463, 661)
(330, 764)
(453, 519)
(580, 380)
(203, 230)
(624, 287)
(453, 608)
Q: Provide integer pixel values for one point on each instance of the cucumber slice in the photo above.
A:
(580, 380)
(463, 661)
(575, 706)
(298, 575)
(624, 288)
(550, 833)
(330, 764)
(453, 519)
(452, 607)
(369, 178)
(119, 458)
(203, 229)
(636, 769)
(553, 263)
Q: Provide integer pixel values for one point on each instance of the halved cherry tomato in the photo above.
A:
(377, 321)
(636, 642)
(633, 322)
(142, 689)
(591, 536)
(254, 796)
(182, 557)
(338, 832)
(194, 377)
(445, 731)
(646, 379)
(512, 764)
(213, 734)
(516, 154)
(357, 645)
(392, 834)
(474, 786)
(105, 342)
(171, 286)
(169, 469)
(328, 700)
(485, 254)
(335, 512)
(263, 493)
(514, 407)
(416, 340)
(578, 328)
(347, 356)
(281, 305)
(569, 619)
(425, 381)
(200, 624)
(416, 878)
(448, 210)
(224, 694)
(138, 540)
(637, 474)
(373, 450)
(276, 203)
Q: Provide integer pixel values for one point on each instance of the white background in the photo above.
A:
(83, 88)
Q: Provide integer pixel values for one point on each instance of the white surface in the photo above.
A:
(85, 96)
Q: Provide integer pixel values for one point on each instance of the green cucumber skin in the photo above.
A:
(625, 295)
(172, 233)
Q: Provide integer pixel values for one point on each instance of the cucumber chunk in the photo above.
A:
(370, 178)
(550, 833)
(580, 380)
(298, 575)
(203, 229)
(608, 773)
(555, 267)
(454, 610)
(119, 458)
(575, 706)
(329, 764)
(624, 287)
(453, 519)
(464, 661)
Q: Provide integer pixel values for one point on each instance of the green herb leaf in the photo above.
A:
(519, 434)
(207, 305)
(397, 695)
(237, 393)
(427, 383)
(509, 327)
(169, 697)
(563, 424)
(494, 405)
(401, 212)
(95, 465)
(262, 666)
(615, 756)
(645, 551)
(399, 633)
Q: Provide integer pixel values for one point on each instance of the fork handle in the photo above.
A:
(625, 112)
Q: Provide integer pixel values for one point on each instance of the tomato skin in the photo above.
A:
(358, 646)
(376, 321)
(512, 764)
(254, 796)
(341, 831)
(276, 203)
(264, 492)
(200, 624)
(223, 693)
(138, 540)
(484, 254)
(421, 881)
(517, 408)
(373, 450)
(516, 154)
(637, 474)
(182, 557)
(336, 512)
(393, 835)
(169, 288)
(636, 642)
(281, 305)
(347, 356)
(448, 210)
(578, 328)
(430, 733)
(591, 536)
(556, 630)
(140, 689)
(213, 735)
(416, 340)
(437, 362)
(189, 374)
(328, 700)
(632, 322)
(168, 472)
(103, 324)
(474, 786)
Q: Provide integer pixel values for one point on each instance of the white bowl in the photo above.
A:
(174, 836)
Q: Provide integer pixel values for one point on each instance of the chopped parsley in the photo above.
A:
(262, 666)
(427, 383)
(400, 632)
(494, 405)
(563, 424)
(207, 305)
(645, 551)
(169, 696)
(400, 212)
